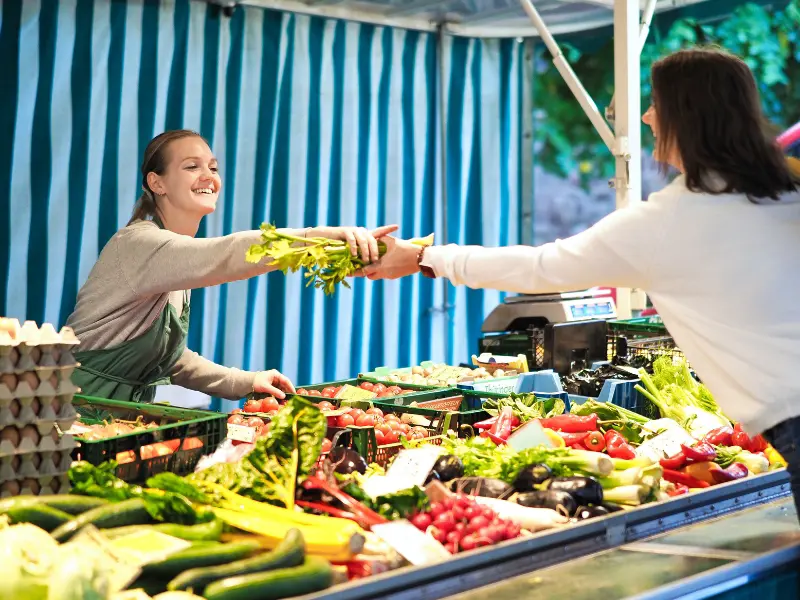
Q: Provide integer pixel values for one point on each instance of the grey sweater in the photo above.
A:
(141, 269)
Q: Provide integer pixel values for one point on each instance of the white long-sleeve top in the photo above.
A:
(723, 273)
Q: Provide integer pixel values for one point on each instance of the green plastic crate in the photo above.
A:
(175, 424)
(467, 413)
(356, 382)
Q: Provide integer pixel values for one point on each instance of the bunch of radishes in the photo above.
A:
(460, 523)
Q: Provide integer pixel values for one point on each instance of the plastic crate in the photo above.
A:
(356, 382)
(205, 431)
(365, 443)
(462, 406)
(621, 332)
(655, 347)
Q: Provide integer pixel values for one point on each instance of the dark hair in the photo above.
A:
(155, 161)
(708, 108)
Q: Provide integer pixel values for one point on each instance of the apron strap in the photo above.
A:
(122, 380)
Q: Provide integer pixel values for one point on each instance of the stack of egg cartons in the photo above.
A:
(36, 365)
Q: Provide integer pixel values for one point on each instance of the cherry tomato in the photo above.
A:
(325, 405)
(236, 419)
(252, 406)
(375, 411)
(365, 420)
(255, 422)
(314, 393)
(269, 403)
(326, 446)
(378, 388)
(366, 385)
(302, 392)
(345, 420)
(333, 421)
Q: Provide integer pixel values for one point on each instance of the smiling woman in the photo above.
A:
(132, 314)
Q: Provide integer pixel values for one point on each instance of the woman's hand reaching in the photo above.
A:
(362, 241)
(272, 383)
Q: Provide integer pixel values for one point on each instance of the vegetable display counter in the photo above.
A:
(513, 568)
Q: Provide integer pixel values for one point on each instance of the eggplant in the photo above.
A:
(531, 476)
(611, 507)
(448, 467)
(557, 500)
(346, 461)
(585, 490)
(432, 476)
(590, 512)
(481, 486)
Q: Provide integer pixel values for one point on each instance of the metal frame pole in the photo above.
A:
(526, 152)
(445, 311)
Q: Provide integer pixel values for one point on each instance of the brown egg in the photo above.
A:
(36, 459)
(32, 485)
(57, 459)
(54, 381)
(31, 379)
(29, 432)
(10, 487)
(15, 460)
(9, 380)
(14, 407)
(10, 434)
(36, 406)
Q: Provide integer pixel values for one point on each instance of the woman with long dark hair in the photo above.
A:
(132, 314)
(717, 250)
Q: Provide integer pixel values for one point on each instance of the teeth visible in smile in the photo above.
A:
(204, 191)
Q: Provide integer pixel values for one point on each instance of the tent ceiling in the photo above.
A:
(479, 18)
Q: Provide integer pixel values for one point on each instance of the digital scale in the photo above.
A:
(564, 332)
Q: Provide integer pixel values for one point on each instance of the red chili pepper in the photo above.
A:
(495, 438)
(700, 452)
(617, 446)
(739, 437)
(682, 478)
(673, 462)
(679, 490)
(571, 423)
(758, 444)
(515, 422)
(570, 439)
(732, 473)
(504, 420)
(721, 436)
(595, 441)
(487, 424)
(578, 446)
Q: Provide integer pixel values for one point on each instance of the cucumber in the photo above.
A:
(127, 512)
(72, 505)
(314, 575)
(203, 532)
(200, 554)
(289, 553)
(40, 515)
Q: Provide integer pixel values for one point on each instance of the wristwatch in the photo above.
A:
(425, 270)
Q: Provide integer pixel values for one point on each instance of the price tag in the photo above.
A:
(242, 433)
(351, 392)
(414, 464)
(412, 544)
(506, 385)
(529, 435)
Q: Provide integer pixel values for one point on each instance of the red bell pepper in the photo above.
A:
(739, 437)
(571, 423)
(700, 452)
(682, 478)
(721, 436)
(595, 441)
(578, 446)
(673, 462)
(617, 446)
(758, 444)
(679, 490)
(571, 439)
(732, 473)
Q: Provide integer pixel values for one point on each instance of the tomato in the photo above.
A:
(302, 392)
(252, 406)
(390, 438)
(365, 420)
(325, 405)
(314, 393)
(355, 413)
(269, 403)
(395, 425)
(128, 456)
(392, 417)
(326, 446)
(380, 438)
(333, 421)
(384, 428)
(345, 420)
(366, 385)
(328, 390)
(385, 394)
(378, 388)
(255, 422)
(328, 394)
(172, 444)
(236, 419)
(395, 390)
(192, 443)
(375, 411)
(405, 427)
(420, 430)
(236, 411)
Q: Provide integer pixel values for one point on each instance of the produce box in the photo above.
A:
(621, 332)
(319, 387)
(181, 436)
(429, 375)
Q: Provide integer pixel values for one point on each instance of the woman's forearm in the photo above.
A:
(194, 372)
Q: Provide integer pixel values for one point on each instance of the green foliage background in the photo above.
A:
(767, 36)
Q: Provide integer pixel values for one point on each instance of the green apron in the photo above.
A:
(132, 370)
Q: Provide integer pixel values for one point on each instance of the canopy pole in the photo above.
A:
(442, 91)
(526, 152)
(575, 85)
(627, 126)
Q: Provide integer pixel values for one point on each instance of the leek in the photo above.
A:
(630, 495)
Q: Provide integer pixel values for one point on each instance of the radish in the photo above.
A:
(421, 521)
(437, 508)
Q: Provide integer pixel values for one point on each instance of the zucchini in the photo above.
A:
(289, 553)
(72, 505)
(200, 554)
(127, 512)
(314, 575)
(203, 532)
(40, 515)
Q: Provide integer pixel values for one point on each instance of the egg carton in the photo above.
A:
(34, 465)
(41, 486)
(30, 438)
(42, 412)
(45, 367)
(34, 384)
(29, 344)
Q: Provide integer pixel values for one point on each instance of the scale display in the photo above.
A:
(593, 309)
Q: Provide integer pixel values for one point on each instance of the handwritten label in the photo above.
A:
(351, 392)
(415, 546)
(241, 433)
(414, 464)
(506, 385)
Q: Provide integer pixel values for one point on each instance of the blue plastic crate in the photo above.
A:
(545, 384)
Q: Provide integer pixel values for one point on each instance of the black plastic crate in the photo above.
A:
(189, 433)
